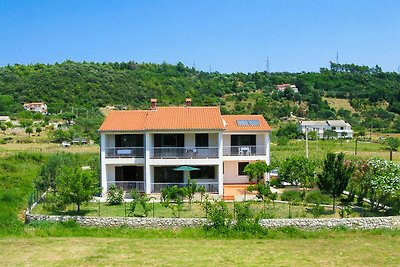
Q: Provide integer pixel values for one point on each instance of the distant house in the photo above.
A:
(282, 87)
(36, 107)
(5, 118)
(342, 128)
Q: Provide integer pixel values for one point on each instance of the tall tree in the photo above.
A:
(76, 186)
(392, 143)
(335, 176)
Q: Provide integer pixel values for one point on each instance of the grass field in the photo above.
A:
(191, 248)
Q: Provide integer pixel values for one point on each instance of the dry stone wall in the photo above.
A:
(306, 224)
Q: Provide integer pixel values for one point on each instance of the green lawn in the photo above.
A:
(326, 248)
(279, 210)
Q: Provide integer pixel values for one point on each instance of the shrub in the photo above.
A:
(317, 210)
(291, 195)
(115, 195)
(142, 200)
(217, 214)
(316, 197)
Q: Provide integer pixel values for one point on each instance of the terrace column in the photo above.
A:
(220, 165)
(267, 153)
(147, 173)
(103, 168)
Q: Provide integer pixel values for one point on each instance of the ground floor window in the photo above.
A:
(166, 174)
(241, 166)
(205, 172)
(129, 173)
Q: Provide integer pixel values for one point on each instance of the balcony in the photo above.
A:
(211, 187)
(183, 152)
(244, 150)
(128, 185)
(124, 152)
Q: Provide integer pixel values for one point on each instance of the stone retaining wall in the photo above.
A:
(307, 224)
(133, 222)
(352, 223)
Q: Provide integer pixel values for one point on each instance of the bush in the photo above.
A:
(115, 195)
(317, 210)
(217, 214)
(316, 197)
(291, 195)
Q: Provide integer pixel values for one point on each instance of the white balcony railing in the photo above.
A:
(245, 150)
(211, 187)
(183, 152)
(128, 185)
(125, 152)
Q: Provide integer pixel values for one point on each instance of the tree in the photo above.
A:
(298, 170)
(290, 131)
(335, 175)
(392, 143)
(38, 130)
(46, 180)
(76, 186)
(256, 170)
(68, 116)
(29, 130)
(330, 134)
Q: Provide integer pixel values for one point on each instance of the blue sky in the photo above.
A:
(226, 36)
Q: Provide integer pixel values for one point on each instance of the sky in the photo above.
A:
(224, 36)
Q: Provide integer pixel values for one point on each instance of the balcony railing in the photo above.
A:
(125, 152)
(211, 187)
(244, 150)
(128, 185)
(183, 152)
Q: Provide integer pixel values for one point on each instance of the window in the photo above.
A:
(169, 140)
(166, 174)
(205, 172)
(341, 128)
(248, 122)
(241, 166)
(333, 128)
(129, 140)
(129, 173)
(243, 140)
(202, 140)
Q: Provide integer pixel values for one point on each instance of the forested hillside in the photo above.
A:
(374, 94)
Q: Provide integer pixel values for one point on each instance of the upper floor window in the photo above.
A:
(202, 140)
(129, 140)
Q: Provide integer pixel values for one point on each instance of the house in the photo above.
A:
(342, 128)
(141, 148)
(5, 118)
(282, 87)
(36, 107)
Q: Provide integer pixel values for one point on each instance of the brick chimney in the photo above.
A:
(188, 102)
(153, 105)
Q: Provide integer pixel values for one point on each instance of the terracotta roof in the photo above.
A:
(232, 123)
(164, 118)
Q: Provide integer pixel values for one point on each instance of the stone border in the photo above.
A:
(392, 222)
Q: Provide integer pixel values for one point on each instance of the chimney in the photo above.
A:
(188, 102)
(153, 104)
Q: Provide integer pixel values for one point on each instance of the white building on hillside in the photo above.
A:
(141, 148)
(342, 128)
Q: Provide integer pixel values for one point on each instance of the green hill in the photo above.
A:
(372, 93)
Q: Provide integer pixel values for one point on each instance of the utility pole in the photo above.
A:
(337, 57)
(317, 141)
(267, 64)
(355, 150)
(306, 142)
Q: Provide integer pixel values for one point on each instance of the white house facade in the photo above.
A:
(342, 128)
(141, 148)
